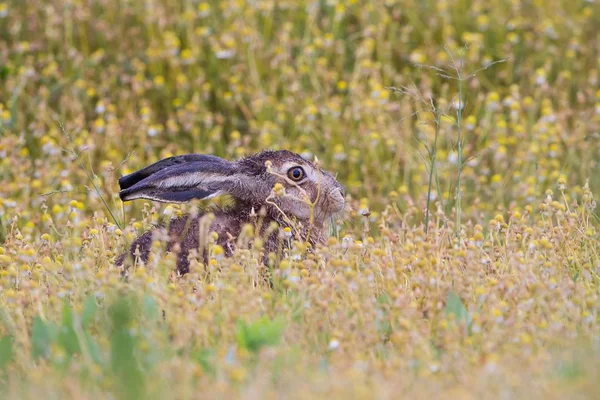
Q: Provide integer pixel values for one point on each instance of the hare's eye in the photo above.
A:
(296, 173)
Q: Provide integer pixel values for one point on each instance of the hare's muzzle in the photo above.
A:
(337, 202)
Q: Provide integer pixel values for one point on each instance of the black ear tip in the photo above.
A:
(127, 181)
(123, 195)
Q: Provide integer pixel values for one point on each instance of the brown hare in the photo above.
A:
(271, 186)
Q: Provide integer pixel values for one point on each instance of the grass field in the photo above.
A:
(466, 133)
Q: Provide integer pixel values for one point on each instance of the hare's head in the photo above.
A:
(282, 182)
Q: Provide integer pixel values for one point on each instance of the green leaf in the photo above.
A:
(571, 370)
(324, 364)
(67, 314)
(93, 348)
(68, 340)
(121, 314)
(2, 229)
(125, 366)
(383, 299)
(4, 71)
(6, 321)
(123, 350)
(260, 333)
(384, 327)
(6, 351)
(40, 339)
(454, 306)
(67, 337)
(205, 358)
(150, 306)
(89, 310)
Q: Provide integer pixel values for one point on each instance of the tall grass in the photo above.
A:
(466, 261)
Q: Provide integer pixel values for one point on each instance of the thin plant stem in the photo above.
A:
(89, 176)
(459, 113)
(433, 155)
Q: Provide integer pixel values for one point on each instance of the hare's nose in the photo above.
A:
(340, 196)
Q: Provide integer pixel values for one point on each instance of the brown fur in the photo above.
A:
(250, 183)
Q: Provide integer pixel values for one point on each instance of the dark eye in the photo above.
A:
(296, 174)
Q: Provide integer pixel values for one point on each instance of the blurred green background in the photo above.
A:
(156, 78)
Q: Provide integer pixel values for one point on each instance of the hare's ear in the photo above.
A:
(183, 178)
(127, 181)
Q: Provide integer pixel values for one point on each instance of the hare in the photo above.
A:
(270, 186)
